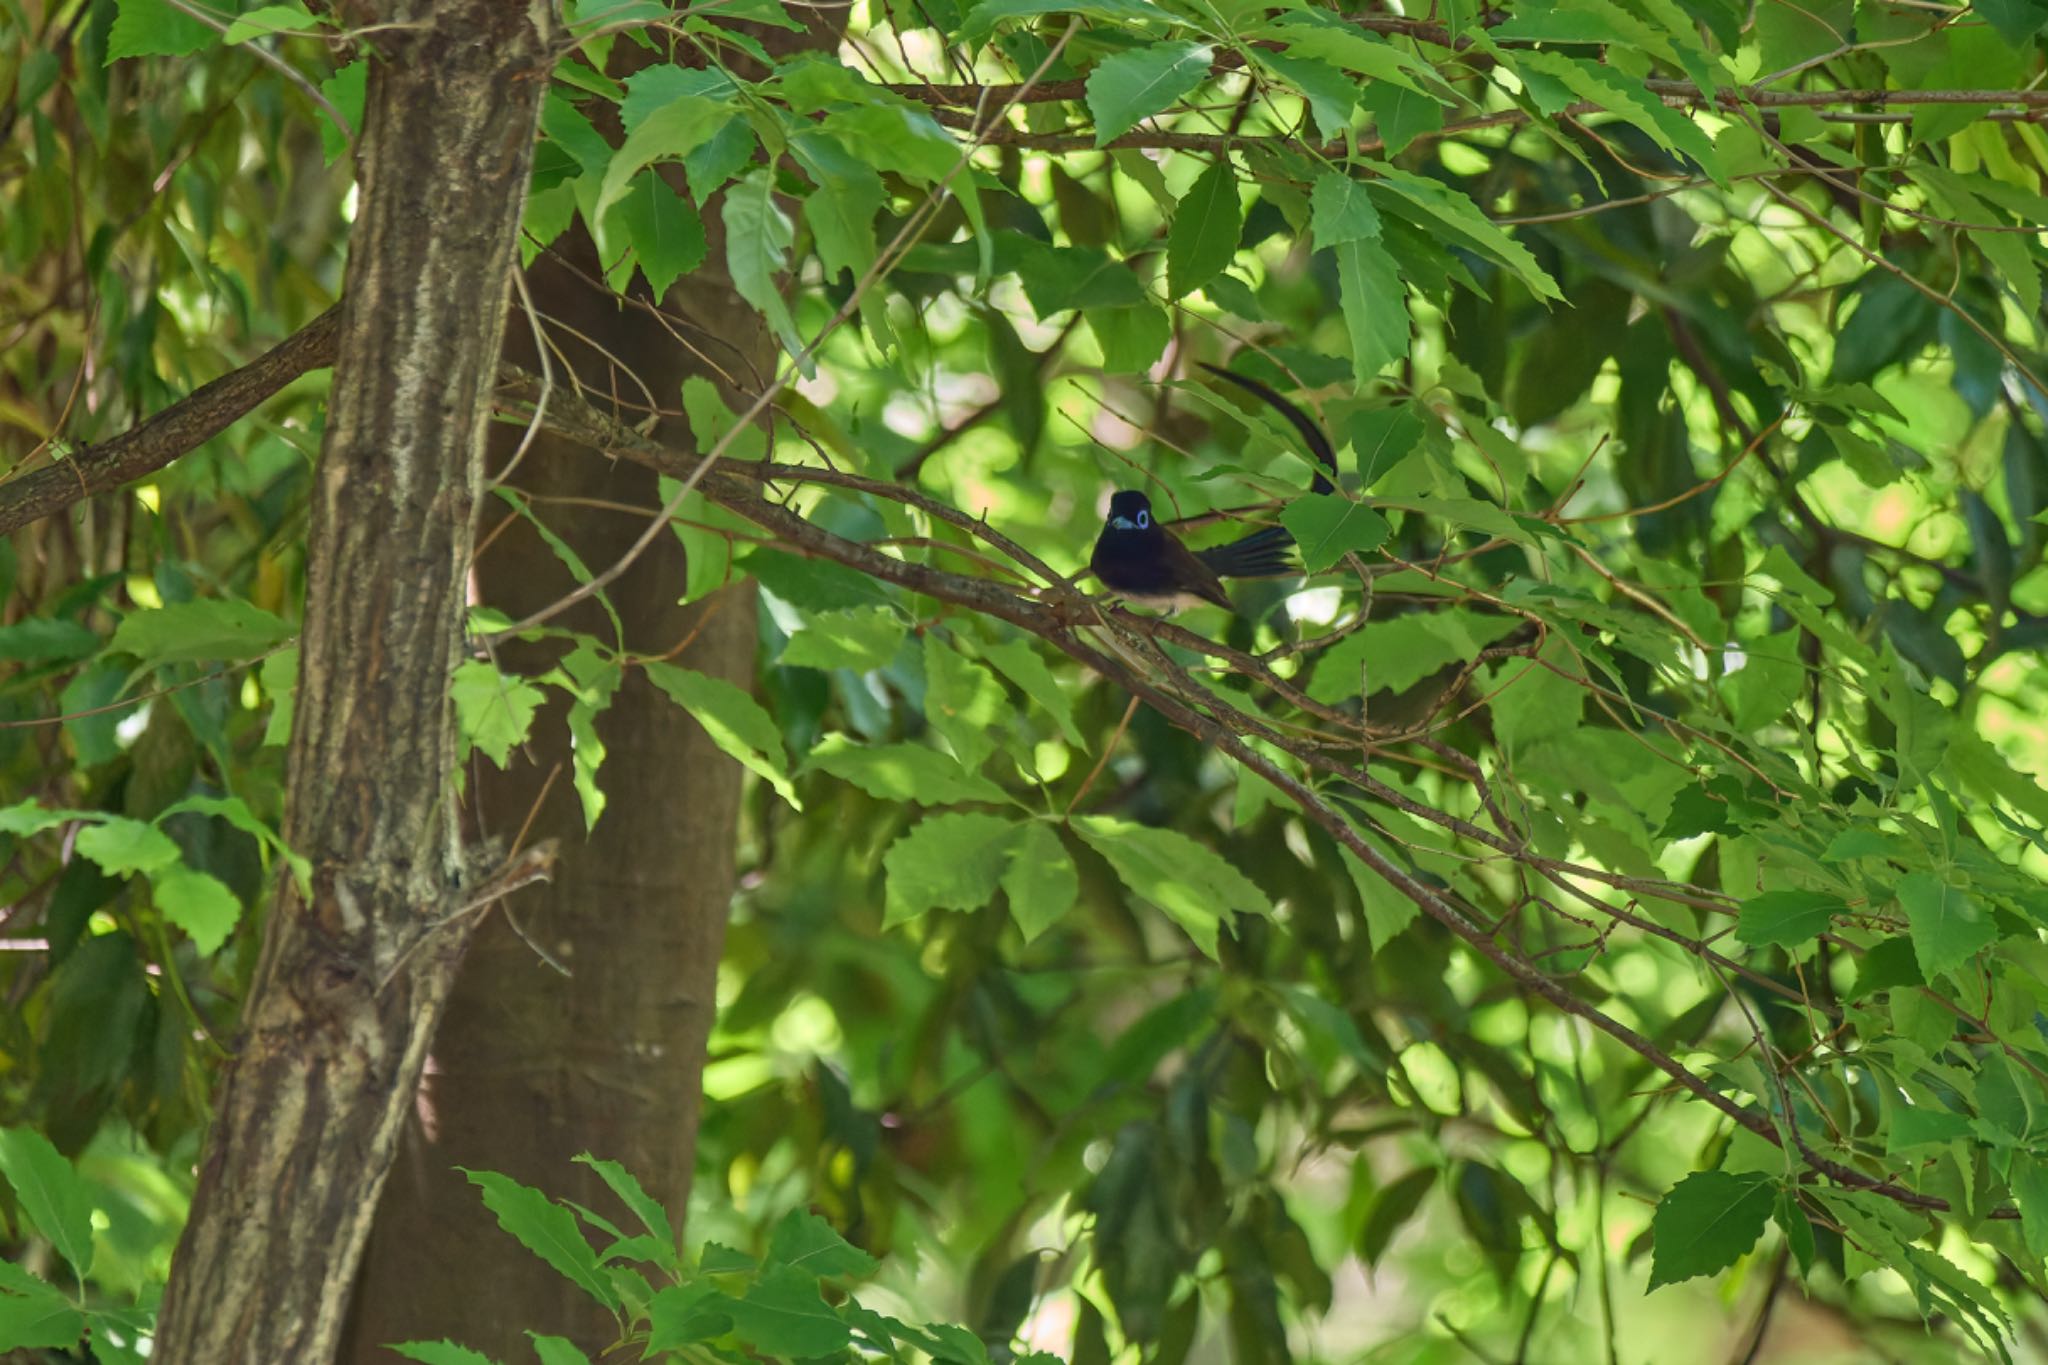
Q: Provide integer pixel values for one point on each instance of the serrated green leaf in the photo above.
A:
(152, 28)
(1461, 217)
(859, 638)
(1205, 230)
(1328, 526)
(757, 236)
(122, 846)
(1341, 210)
(188, 632)
(963, 702)
(494, 711)
(732, 720)
(946, 862)
(1135, 85)
(1041, 880)
(32, 1321)
(1948, 924)
(810, 1244)
(199, 903)
(782, 1315)
(1786, 919)
(557, 1350)
(902, 772)
(440, 1353)
(267, 21)
(1706, 1223)
(51, 1193)
(1375, 303)
(1019, 662)
(1190, 882)
(547, 1230)
(627, 1187)
(31, 816)
(669, 132)
(1915, 1126)
(663, 229)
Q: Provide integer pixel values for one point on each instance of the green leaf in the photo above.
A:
(1190, 882)
(627, 1187)
(237, 813)
(1786, 919)
(946, 862)
(31, 816)
(210, 628)
(2030, 1192)
(902, 772)
(31, 1321)
(1375, 304)
(1040, 881)
(1387, 911)
(756, 235)
(810, 1244)
(279, 678)
(732, 720)
(1341, 210)
(547, 1230)
(1399, 115)
(42, 641)
(1329, 526)
(1628, 100)
(152, 28)
(985, 16)
(1019, 662)
(1458, 215)
(681, 1314)
(895, 137)
(1132, 339)
(1392, 1207)
(1382, 438)
(269, 20)
(841, 210)
(710, 420)
(1948, 924)
(557, 1350)
(1138, 84)
(52, 1194)
(122, 846)
(666, 234)
(859, 638)
(670, 132)
(493, 711)
(199, 903)
(782, 1315)
(441, 1353)
(1331, 95)
(1401, 652)
(962, 701)
(1707, 1221)
(1913, 1126)
(1058, 278)
(1205, 230)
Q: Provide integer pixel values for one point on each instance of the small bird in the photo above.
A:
(1142, 562)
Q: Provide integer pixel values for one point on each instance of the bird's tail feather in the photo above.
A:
(1265, 553)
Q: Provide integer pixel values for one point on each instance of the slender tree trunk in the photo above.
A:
(532, 1067)
(354, 975)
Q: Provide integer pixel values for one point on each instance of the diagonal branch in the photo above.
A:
(184, 425)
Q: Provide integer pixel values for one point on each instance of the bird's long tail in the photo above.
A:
(1266, 553)
(1311, 434)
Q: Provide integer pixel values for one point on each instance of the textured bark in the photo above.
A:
(353, 976)
(530, 1067)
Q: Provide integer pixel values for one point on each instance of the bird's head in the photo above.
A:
(1129, 510)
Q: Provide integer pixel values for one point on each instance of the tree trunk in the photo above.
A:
(353, 976)
(531, 1067)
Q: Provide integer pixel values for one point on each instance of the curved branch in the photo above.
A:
(184, 425)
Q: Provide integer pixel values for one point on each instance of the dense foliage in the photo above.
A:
(1619, 864)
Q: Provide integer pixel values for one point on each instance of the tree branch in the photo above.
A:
(181, 427)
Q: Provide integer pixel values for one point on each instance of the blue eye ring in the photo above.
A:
(1144, 521)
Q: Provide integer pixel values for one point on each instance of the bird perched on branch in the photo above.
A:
(1141, 561)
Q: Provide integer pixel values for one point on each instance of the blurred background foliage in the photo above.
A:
(1734, 408)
